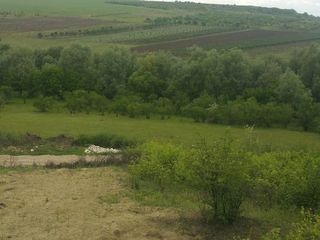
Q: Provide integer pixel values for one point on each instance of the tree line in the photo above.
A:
(224, 86)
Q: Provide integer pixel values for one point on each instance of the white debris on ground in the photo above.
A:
(98, 149)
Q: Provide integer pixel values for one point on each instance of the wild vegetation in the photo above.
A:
(214, 143)
(224, 87)
(224, 177)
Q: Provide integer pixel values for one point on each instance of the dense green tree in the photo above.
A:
(114, 67)
(51, 81)
(153, 75)
(292, 91)
(76, 61)
(20, 70)
(306, 63)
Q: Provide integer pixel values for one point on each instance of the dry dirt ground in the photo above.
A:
(67, 204)
(43, 160)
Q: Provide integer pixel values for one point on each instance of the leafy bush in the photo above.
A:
(226, 173)
(44, 104)
(83, 101)
(105, 140)
(308, 228)
(220, 174)
(157, 164)
(286, 178)
(217, 173)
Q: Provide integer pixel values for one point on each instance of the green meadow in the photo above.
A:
(22, 118)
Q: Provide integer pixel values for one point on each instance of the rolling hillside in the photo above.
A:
(159, 25)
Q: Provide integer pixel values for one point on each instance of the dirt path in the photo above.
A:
(28, 160)
(79, 204)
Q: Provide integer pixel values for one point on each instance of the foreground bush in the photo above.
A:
(225, 174)
(219, 172)
(307, 229)
(286, 178)
(158, 163)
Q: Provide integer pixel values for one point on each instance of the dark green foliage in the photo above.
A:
(83, 101)
(6, 93)
(114, 67)
(51, 81)
(2, 102)
(223, 87)
(44, 104)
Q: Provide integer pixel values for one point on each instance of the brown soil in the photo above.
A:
(65, 205)
(43, 160)
(29, 24)
(224, 38)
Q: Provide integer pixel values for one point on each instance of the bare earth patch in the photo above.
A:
(222, 38)
(29, 24)
(43, 160)
(64, 204)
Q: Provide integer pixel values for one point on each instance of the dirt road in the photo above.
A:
(28, 160)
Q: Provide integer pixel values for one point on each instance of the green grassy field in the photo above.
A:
(20, 118)
(84, 8)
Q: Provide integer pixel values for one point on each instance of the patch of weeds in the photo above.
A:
(275, 215)
(112, 198)
(101, 161)
(174, 196)
(105, 140)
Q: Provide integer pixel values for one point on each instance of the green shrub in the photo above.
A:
(44, 104)
(157, 164)
(308, 228)
(226, 173)
(105, 140)
(219, 173)
(286, 178)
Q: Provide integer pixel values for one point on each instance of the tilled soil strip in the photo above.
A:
(43, 160)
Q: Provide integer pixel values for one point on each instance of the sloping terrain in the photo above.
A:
(254, 37)
(99, 23)
(27, 24)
